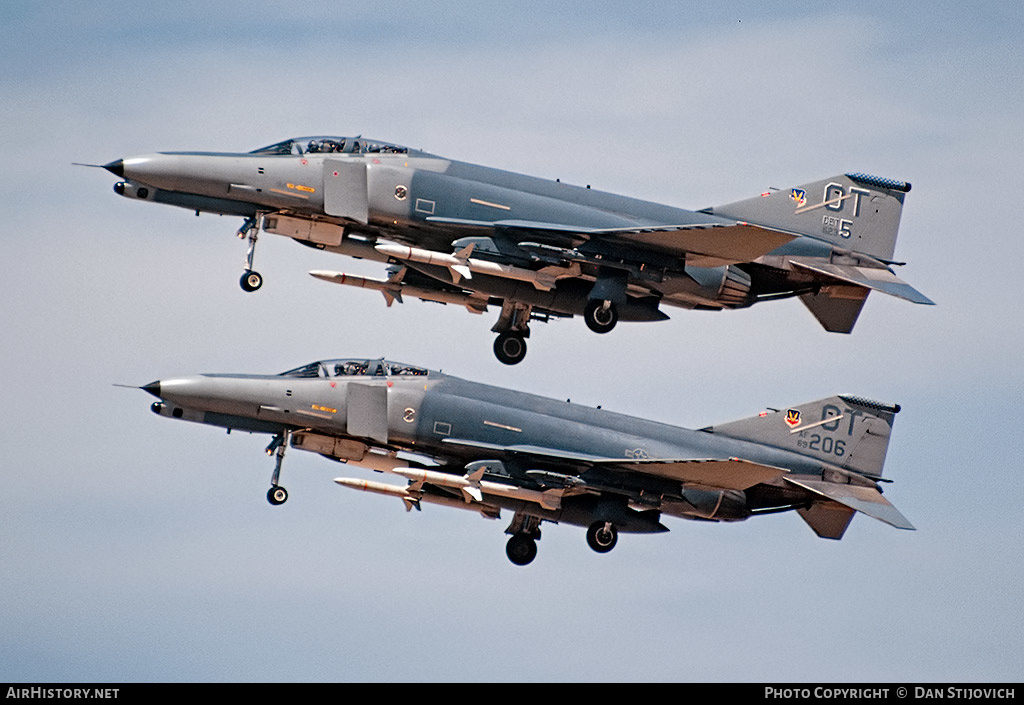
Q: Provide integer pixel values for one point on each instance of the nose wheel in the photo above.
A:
(277, 495)
(251, 280)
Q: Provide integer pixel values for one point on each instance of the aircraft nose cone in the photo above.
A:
(116, 167)
(153, 388)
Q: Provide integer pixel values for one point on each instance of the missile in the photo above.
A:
(392, 290)
(473, 487)
(413, 498)
(462, 265)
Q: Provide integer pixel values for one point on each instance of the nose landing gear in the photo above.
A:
(276, 494)
(251, 280)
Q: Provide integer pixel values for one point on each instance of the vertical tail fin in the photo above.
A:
(845, 431)
(854, 211)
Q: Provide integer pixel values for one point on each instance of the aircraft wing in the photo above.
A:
(868, 277)
(703, 244)
(727, 474)
(712, 473)
(709, 245)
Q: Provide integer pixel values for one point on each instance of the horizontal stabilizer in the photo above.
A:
(864, 499)
(871, 278)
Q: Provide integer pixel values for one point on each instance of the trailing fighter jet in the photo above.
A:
(484, 449)
(538, 249)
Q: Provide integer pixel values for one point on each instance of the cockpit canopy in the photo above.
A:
(331, 145)
(355, 367)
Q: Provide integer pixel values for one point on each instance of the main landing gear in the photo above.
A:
(521, 548)
(251, 280)
(600, 316)
(602, 536)
(510, 348)
(276, 494)
(513, 328)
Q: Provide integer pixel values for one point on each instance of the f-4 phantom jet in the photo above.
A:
(537, 249)
(485, 449)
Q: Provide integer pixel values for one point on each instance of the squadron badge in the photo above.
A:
(800, 196)
(792, 417)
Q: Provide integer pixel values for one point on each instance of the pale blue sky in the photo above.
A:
(137, 548)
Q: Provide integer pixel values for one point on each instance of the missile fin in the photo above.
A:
(459, 271)
(551, 499)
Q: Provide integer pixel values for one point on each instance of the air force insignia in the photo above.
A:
(800, 196)
(792, 417)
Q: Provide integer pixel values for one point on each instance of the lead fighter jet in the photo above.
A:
(481, 448)
(538, 249)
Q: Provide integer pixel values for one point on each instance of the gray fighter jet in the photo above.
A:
(472, 446)
(539, 249)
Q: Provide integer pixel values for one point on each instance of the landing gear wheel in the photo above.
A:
(521, 549)
(602, 536)
(510, 348)
(251, 281)
(277, 495)
(600, 316)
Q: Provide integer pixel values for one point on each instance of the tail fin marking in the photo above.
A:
(853, 211)
(844, 431)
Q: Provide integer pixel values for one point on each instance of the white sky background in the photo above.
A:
(137, 549)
